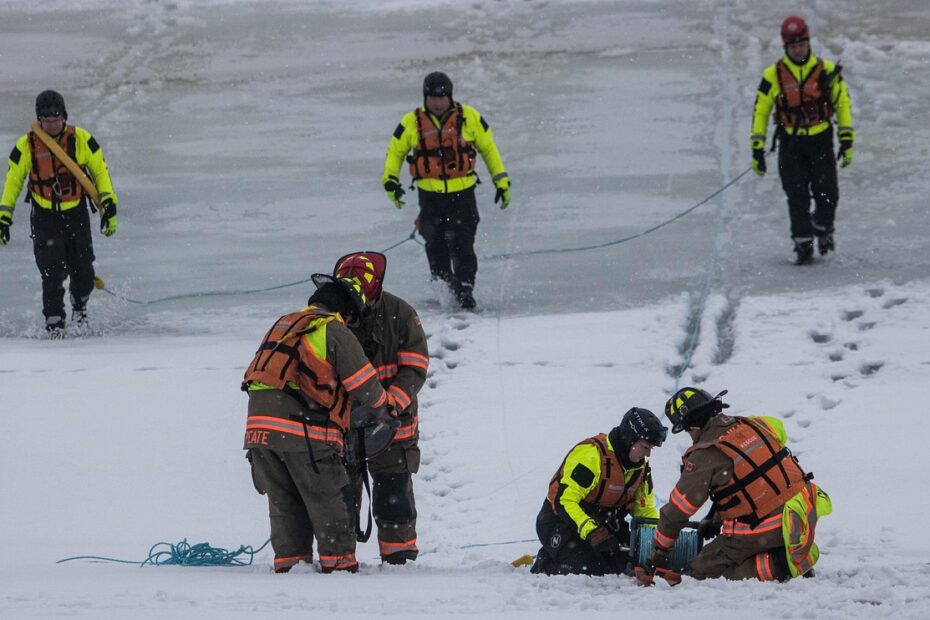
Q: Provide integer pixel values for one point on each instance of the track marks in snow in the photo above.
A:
(709, 338)
(843, 341)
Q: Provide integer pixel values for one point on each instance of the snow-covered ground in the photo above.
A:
(246, 139)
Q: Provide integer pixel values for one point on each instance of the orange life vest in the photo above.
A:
(279, 361)
(765, 474)
(613, 491)
(803, 104)
(442, 152)
(50, 178)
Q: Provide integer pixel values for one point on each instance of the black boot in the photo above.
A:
(825, 243)
(804, 248)
(464, 296)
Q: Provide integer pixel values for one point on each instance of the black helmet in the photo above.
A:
(344, 295)
(50, 103)
(437, 84)
(692, 407)
(637, 423)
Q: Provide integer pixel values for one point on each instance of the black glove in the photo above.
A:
(758, 161)
(846, 153)
(708, 528)
(5, 220)
(108, 220)
(395, 193)
(603, 541)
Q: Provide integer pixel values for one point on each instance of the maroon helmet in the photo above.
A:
(367, 267)
(794, 29)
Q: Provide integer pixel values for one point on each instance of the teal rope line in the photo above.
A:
(223, 293)
(185, 554)
(412, 237)
(608, 244)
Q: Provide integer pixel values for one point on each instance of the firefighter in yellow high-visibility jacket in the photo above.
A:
(806, 93)
(445, 137)
(60, 220)
(604, 478)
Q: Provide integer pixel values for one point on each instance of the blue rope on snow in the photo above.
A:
(185, 554)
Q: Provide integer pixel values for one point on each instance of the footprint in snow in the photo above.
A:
(874, 292)
(827, 403)
(852, 346)
(870, 368)
(891, 303)
(836, 356)
(863, 327)
(819, 337)
(450, 345)
(852, 315)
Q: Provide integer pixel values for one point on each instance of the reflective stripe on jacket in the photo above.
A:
(799, 523)
(394, 341)
(312, 354)
(591, 482)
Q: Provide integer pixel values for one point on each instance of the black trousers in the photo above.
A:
(807, 166)
(448, 223)
(392, 502)
(63, 249)
(564, 553)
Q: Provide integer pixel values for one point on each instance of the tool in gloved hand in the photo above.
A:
(656, 565)
(603, 541)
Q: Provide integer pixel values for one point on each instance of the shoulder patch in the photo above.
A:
(765, 86)
(399, 131)
(689, 466)
(484, 123)
(15, 154)
(92, 145)
(582, 475)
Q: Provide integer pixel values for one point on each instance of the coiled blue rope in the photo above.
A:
(202, 554)
(185, 554)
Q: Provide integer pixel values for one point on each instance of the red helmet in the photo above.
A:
(794, 29)
(367, 267)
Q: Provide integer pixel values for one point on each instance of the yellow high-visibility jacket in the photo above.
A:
(572, 494)
(474, 130)
(769, 90)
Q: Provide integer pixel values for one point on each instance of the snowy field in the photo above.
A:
(246, 139)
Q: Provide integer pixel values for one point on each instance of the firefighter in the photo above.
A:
(806, 93)
(302, 383)
(394, 342)
(445, 137)
(60, 222)
(765, 505)
(604, 478)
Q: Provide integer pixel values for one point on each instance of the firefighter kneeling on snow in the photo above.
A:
(581, 524)
(765, 505)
